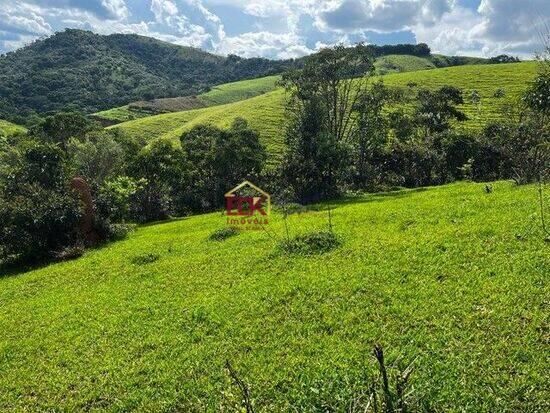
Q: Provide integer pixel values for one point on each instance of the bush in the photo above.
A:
(144, 259)
(70, 253)
(217, 160)
(37, 222)
(120, 231)
(96, 158)
(222, 234)
(314, 243)
(161, 169)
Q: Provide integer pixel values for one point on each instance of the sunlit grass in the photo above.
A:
(218, 95)
(452, 276)
(265, 113)
(8, 128)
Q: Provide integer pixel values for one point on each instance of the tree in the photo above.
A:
(39, 214)
(96, 158)
(504, 58)
(338, 77)
(436, 109)
(162, 169)
(313, 157)
(371, 134)
(322, 120)
(218, 160)
(62, 126)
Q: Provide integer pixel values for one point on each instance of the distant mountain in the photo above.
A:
(90, 72)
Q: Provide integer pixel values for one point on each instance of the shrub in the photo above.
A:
(144, 259)
(161, 169)
(222, 234)
(218, 160)
(96, 157)
(70, 253)
(113, 200)
(117, 232)
(314, 243)
(36, 222)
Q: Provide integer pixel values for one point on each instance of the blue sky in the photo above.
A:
(291, 28)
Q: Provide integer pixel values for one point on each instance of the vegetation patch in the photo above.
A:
(9, 129)
(291, 208)
(144, 259)
(310, 244)
(218, 95)
(222, 234)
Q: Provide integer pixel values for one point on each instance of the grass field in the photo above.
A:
(452, 276)
(401, 63)
(265, 113)
(8, 128)
(218, 95)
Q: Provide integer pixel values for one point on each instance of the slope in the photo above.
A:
(401, 63)
(221, 94)
(265, 113)
(233, 92)
(451, 276)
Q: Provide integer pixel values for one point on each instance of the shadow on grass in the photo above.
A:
(13, 269)
(163, 222)
(364, 198)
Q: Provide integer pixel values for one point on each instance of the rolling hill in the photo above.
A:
(265, 113)
(90, 72)
(451, 277)
(401, 63)
(218, 95)
(236, 91)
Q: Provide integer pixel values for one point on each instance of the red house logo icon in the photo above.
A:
(247, 206)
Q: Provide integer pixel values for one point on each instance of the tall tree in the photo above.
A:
(436, 109)
(322, 122)
(372, 131)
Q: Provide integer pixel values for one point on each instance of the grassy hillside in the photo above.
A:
(236, 91)
(452, 276)
(8, 128)
(401, 63)
(222, 94)
(265, 113)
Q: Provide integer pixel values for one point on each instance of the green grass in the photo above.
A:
(120, 114)
(218, 95)
(265, 113)
(9, 129)
(401, 63)
(486, 79)
(236, 91)
(452, 276)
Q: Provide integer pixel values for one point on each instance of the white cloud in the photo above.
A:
(163, 8)
(288, 28)
(497, 26)
(379, 15)
(281, 46)
(116, 8)
(20, 18)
